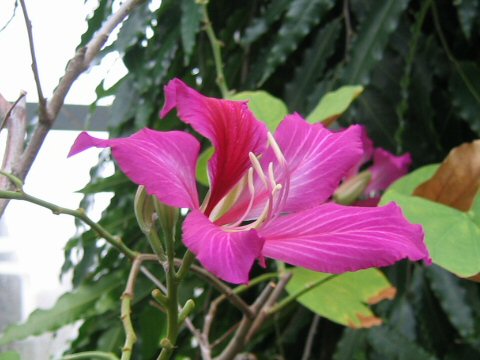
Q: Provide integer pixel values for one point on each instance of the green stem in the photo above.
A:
(91, 355)
(130, 337)
(217, 55)
(289, 299)
(187, 261)
(79, 214)
(168, 343)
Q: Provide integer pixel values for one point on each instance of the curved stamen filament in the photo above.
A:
(258, 168)
(251, 190)
(276, 149)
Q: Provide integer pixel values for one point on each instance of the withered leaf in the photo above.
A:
(457, 180)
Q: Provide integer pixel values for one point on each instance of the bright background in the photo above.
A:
(34, 235)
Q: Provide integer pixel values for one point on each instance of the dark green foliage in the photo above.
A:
(419, 62)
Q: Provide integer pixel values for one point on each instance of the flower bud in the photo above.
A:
(167, 216)
(351, 189)
(144, 210)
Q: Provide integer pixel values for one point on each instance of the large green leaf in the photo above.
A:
(70, 307)
(334, 104)
(452, 237)
(373, 36)
(344, 298)
(266, 107)
(313, 65)
(393, 345)
(190, 25)
(465, 90)
(301, 16)
(453, 299)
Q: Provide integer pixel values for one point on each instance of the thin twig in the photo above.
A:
(307, 350)
(127, 298)
(76, 66)
(263, 314)
(217, 53)
(220, 286)
(79, 214)
(15, 120)
(91, 355)
(9, 112)
(36, 75)
(11, 17)
(239, 339)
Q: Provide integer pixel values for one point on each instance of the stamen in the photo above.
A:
(271, 175)
(251, 190)
(258, 168)
(276, 149)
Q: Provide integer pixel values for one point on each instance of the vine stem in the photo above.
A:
(126, 302)
(79, 214)
(89, 355)
(289, 299)
(217, 53)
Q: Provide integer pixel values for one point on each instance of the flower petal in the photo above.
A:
(229, 125)
(228, 255)
(367, 153)
(317, 159)
(334, 239)
(386, 169)
(164, 162)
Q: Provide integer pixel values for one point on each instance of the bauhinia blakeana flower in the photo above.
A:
(269, 193)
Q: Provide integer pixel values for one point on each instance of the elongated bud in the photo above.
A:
(144, 210)
(186, 311)
(352, 189)
(167, 216)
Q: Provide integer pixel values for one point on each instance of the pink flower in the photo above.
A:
(268, 194)
(385, 169)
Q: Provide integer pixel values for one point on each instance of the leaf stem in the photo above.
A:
(168, 343)
(100, 355)
(217, 54)
(79, 214)
(289, 299)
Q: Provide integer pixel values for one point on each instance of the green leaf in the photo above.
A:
(352, 345)
(266, 107)
(393, 345)
(344, 298)
(95, 21)
(334, 104)
(107, 184)
(452, 297)
(190, 25)
(10, 355)
(301, 16)
(372, 39)
(313, 65)
(202, 169)
(452, 238)
(465, 92)
(467, 11)
(262, 24)
(407, 184)
(70, 307)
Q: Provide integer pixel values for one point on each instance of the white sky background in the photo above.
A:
(37, 235)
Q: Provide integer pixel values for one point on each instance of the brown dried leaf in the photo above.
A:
(457, 180)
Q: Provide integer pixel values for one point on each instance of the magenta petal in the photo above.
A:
(386, 169)
(317, 159)
(228, 255)
(164, 162)
(334, 239)
(229, 125)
